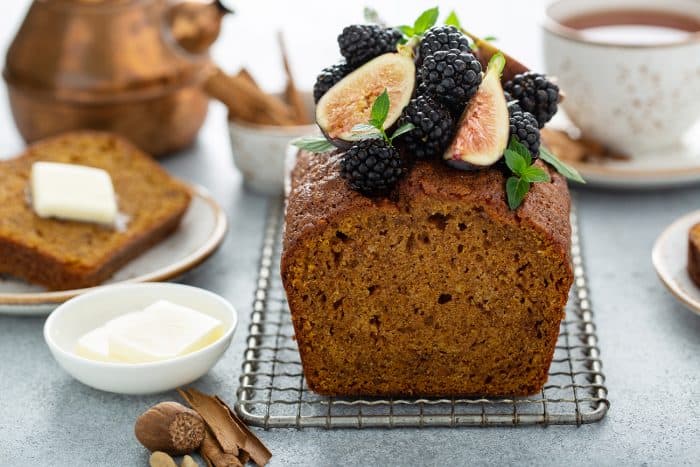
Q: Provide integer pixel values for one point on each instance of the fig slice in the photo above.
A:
(349, 102)
(482, 132)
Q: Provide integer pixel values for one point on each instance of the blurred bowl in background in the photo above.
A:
(259, 150)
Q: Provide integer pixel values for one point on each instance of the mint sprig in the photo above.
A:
(372, 16)
(425, 21)
(519, 161)
(380, 110)
(316, 144)
(453, 20)
(561, 167)
(377, 118)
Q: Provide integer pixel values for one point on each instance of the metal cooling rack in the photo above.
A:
(273, 393)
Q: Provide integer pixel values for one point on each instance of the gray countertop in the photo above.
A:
(650, 346)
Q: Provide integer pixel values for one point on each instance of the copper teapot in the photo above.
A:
(135, 67)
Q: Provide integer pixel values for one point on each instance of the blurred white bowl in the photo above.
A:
(81, 314)
(259, 150)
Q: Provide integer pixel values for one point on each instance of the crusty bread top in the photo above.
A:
(146, 194)
(318, 194)
(694, 235)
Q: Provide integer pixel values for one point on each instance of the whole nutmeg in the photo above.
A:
(171, 428)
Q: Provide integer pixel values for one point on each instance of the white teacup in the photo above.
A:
(634, 97)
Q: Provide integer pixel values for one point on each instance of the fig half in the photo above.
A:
(482, 132)
(349, 102)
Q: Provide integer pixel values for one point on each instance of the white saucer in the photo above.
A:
(671, 167)
(670, 258)
(200, 233)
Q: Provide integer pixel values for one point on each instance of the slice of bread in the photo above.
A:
(694, 254)
(67, 254)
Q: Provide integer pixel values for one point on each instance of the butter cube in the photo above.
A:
(161, 331)
(94, 345)
(73, 192)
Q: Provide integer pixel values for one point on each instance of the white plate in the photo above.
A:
(672, 167)
(200, 233)
(670, 258)
(90, 310)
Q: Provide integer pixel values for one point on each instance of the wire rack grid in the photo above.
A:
(272, 391)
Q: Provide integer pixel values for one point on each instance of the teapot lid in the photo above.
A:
(94, 51)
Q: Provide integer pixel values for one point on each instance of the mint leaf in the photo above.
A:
(517, 146)
(564, 169)
(372, 16)
(364, 128)
(403, 129)
(515, 162)
(453, 20)
(407, 31)
(313, 143)
(516, 189)
(426, 20)
(364, 131)
(380, 110)
(535, 174)
(489, 38)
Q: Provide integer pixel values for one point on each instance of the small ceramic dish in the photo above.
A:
(670, 259)
(81, 314)
(259, 150)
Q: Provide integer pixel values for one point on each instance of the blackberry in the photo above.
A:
(329, 77)
(535, 94)
(523, 125)
(513, 105)
(360, 43)
(442, 38)
(372, 167)
(433, 130)
(452, 76)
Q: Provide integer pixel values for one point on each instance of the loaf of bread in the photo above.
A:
(694, 254)
(440, 291)
(68, 254)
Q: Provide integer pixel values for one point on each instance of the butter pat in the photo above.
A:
(161, 331)
(94, 345)
(73, 192)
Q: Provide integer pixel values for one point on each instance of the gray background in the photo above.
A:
(650, 344)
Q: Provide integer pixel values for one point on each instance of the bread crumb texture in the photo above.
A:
(440, 291)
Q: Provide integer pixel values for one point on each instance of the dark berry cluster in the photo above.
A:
(442, 38)
(523, 126)
(434, 127)
(372, 167)
(535, 94)
(360, 43)
(448, 76)
(452, 76)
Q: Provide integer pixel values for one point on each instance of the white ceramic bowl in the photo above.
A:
(259, 150)
(81, 314)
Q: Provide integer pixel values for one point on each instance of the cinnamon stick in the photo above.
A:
(578, 149)
(253, 445)
(291, 92)
(245, 74)
(228, 432)
(214, 455)
(246, 101)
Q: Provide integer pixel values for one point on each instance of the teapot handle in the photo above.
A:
(195, 24)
